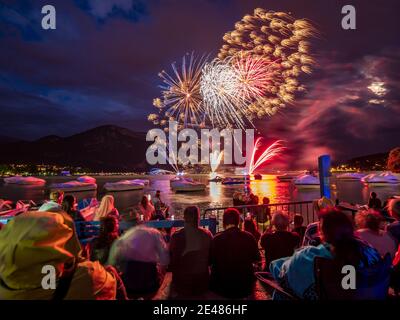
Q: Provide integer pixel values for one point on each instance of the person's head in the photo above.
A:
(158, 193)
(191, 215)
(325, 203)
(280, 221)
(255, 199)
(373, 195)
(334, 225)
(337, 229)
(109, 225)
(68, 203)
(144, 201)
(231, 218)
(394, 208)
(106, 206)
(298, 220)
(249, 225)
(47, 236)
(265, 200)
(368, 219)
(56, 196)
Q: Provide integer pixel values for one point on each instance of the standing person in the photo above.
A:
(374, 202)
(100, 246)
(146, 209)
(298, 226)
(233, 253)
(190, 256)
(142, 256)
(369, 223)
(250, 226)
(161, 209)
(281, 242)
(264, 215)
(106, 208)
(68, 205)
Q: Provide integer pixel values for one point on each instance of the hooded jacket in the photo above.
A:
(35, 239)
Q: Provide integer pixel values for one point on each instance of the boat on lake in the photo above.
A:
(73, 186)
(186, 185)
(381, 180)
(233, 181)
(24, 180)
(306, 181)
(126, 185)
(350, 176)
(86, 179)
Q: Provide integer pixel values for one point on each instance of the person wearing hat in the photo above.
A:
(34, 242)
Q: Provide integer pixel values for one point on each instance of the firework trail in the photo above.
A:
(268, 154)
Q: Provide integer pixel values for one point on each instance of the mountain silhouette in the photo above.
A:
(105, 148)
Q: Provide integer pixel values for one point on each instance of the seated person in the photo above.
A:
(141, 254)
(369, 223)
(190, 256)
(311, 235)
(106, 208)
(36, 239)
(233, 253)
(298, 226)
(146, 209)
(296, 273)
(55, 200)
(99, 247)
(250, 226)
(281, 242)
(374, 202)
(69, 206)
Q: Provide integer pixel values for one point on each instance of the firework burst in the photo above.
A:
(219, 87)
(275, 36)
(181, 100)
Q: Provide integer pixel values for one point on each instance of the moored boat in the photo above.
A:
(286, 177)
(381, 180)
(350, 176)
(233, 181)
(24, 180)
(186, 185)
(306, 181)
(73, 186)
(86, 179)
(125, 185)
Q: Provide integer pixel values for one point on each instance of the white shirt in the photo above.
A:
(140, 244)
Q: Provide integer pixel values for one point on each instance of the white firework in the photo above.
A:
(220, 85)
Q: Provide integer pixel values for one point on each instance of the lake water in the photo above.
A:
(215, 195)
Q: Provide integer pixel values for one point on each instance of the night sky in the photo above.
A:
(100, 67)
